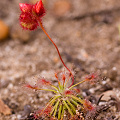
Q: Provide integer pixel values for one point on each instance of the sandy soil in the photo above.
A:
(88, 38)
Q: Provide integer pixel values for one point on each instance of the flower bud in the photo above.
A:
(25, 7)
(38, 9)
(28, 22)
(31, 14)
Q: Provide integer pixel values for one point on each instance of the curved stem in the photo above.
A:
(76, 84)
(66, 105)
(46, 90)
(59, 112)
(54, 87)
(57, 50)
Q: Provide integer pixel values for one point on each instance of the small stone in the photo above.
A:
(113, 73)
(84, 53)
(105, 72)
(18, 117)
(107, 95)
(55, 59)
(61, 7)
(3, 83)
(10, 86)
(26, 112)
(4, 30)
(4, 109)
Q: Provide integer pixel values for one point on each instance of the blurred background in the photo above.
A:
(87, 35)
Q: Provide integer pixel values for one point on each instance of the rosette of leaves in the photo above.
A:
(65, 100)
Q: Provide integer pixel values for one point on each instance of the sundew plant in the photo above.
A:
(66, 99)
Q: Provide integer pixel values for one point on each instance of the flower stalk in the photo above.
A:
(41, 25)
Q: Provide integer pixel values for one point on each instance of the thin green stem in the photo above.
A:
(77, 84)
(74, 102)
(62, 114)
(71, 105)
(54, 99)
(76, 98)
(56, 106)
(52, 111)
(47, 90)
(68, 108)
(59, 113)
(50, 102)
(54, 87)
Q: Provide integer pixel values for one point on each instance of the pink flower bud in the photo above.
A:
(25, 7)
(38, 8)
(31, 14)
(28, 22)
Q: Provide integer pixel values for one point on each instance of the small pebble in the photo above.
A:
(4, 109)
(55, 59)
(104, 82)
(107, 95)
(10, 86)
(4, 30)
(3, 83)
(113, 73)
(18, 116)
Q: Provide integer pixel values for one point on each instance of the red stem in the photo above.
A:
(57, 51)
